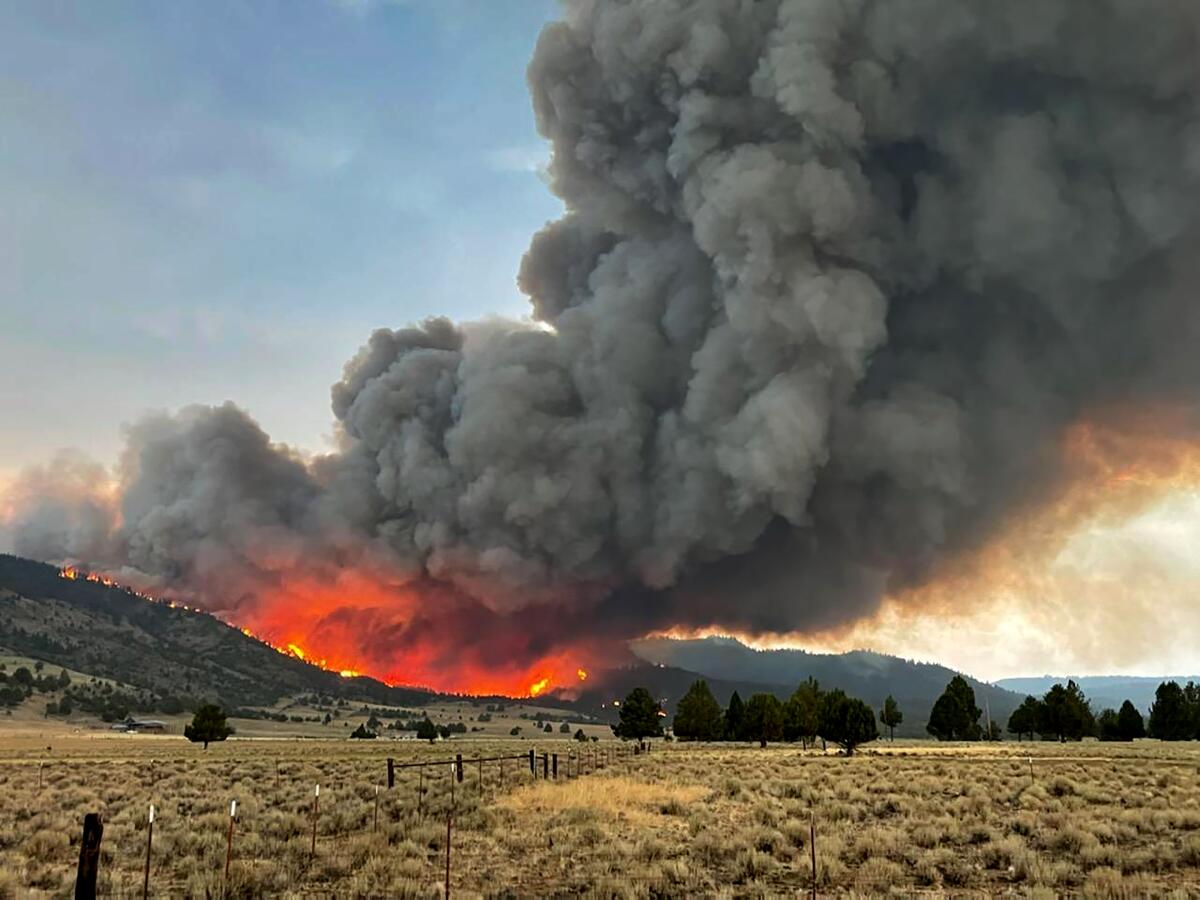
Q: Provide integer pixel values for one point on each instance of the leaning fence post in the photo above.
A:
(89, 857)
(316, 813)
(229, 845)
(149, 844)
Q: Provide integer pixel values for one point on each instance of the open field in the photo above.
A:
(1092, 820)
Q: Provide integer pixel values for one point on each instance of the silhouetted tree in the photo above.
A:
(698, 715)
(1191, 694)
(1108, 726)
(639, 716)
(1024, 719)
(580, 736)
(891, 716)
(734, 719)
(208, 724)
(846, 721)
(802, 712)
(764, 719)
(1169, 716)
(1064, 714)
(426, 730)
(954, 716)
(1130, 724)
(564, 728)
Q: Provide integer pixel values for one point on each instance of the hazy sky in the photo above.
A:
(220, 199)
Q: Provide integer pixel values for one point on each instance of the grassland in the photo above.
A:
(1090, 820)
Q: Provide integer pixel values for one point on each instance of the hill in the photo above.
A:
(870, 676)
(1104, 691)
(171, 656)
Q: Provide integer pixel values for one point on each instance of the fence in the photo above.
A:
(443, 785)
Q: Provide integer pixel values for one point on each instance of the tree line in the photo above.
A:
(1064, 713)
(809, 715)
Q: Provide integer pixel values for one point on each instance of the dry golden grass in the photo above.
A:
(1093, 820)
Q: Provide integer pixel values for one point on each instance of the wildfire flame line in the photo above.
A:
(72, 573)
(542, 682)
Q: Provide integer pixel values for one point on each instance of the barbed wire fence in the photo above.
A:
(402, 798)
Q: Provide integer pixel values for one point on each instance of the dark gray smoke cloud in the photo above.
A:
(835, 276)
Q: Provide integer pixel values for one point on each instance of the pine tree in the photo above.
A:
(639, 716)
(891, 716)
(698, 715)
(802, 712)
(763, 720)
(847, 721)
(734, 719)
(208, 724)
(1169, 718)
(1024, 719)
(954, 716)
(1130, 724)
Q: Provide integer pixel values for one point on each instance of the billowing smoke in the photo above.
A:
(834, 278)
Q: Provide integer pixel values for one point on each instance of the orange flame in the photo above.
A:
(320, 639)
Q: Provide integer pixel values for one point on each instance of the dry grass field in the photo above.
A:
(1092, 820)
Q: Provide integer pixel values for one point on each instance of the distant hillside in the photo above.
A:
(666, 683)
(171, 653)
(1104, 691)
(871, 676)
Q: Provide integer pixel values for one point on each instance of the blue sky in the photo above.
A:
(219, 199)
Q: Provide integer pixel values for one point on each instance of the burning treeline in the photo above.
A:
(836, 279)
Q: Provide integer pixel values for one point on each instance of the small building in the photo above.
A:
(137, 726)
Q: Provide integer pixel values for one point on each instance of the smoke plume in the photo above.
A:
(835, 278)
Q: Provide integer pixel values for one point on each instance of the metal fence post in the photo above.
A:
(316, 814)
(229, 845)
(149, 844)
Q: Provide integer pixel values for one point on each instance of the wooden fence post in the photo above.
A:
(375, 823)
(420, 791)
(449, 818)
(532, 770)
(458, 768)
(149, 844)
(391, 773)
(89, 857)
(812, 846)
(481, 776)
(229, 846)
(545, 765)
(554, 766)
